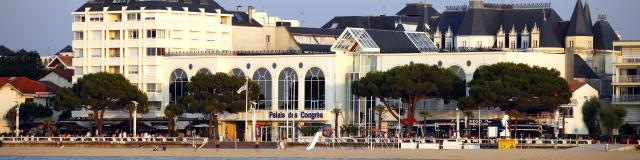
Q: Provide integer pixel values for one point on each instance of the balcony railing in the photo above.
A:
(627, 98)
(627, 79)
(629, 60)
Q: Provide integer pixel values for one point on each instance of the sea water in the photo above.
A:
(159, 158)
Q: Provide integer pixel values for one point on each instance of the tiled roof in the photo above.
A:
(576, 85)
(24, 85)
(67, 61)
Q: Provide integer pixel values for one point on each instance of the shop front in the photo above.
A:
(272, 126)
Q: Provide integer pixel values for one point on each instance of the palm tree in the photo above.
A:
(380, 110)
(467, 115)
(171, 111)
(49, 126)
(336, 112)
(424, 115)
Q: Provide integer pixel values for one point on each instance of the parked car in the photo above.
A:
(627, 140)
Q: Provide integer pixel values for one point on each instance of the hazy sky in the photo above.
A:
(45, 25)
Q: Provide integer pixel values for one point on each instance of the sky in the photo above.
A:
(45, 25)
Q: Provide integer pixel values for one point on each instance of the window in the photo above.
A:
(133, 17)
(567, 112)
(211, 36)
(78, 35)
(132, 70)
(132, 52)
(96, 69)
(237, 72)
(263, 78)
(154, 88)
(78, 71)
(151, 70)
(314, 89)
(134, 34)
(78, 18)
(288, 90)
(305, 39)
(150, 18)
(204, 71)
(155, 51)
(155, 33)
(96, 18)
(194, 35)
(114, 35)
(95, 35)
(96, 52)
(79, 53)
(177, 84)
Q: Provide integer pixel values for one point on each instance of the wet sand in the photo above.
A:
(322, 153)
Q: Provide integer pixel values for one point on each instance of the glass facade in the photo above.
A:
(314, 88)
(288, 90)
(263, 78)
(177, 84)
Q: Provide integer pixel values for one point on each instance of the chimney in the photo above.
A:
(476, 4)
(250, 13)
(238, 8)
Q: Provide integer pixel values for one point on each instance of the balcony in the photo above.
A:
(627, 99)
(627, 79)
(627, 60)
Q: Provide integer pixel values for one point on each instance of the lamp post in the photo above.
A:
(17, 119)
(457, 134)
(253, 122)
(135, 118)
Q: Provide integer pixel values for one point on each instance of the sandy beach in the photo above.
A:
(322, 153)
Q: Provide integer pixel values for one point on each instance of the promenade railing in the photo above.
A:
(175, 140)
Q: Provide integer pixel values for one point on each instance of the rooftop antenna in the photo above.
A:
(301, 18)
(384, 9)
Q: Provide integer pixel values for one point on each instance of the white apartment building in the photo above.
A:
(626, 80)
(129, 36)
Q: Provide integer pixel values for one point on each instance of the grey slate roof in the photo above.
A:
(417, 10)
(392, 41)
(579, 25)
(604, 35)
(370, 22)
(242, 19)
(315, 31)
(67, 48)
(209, 5)
(581, 69)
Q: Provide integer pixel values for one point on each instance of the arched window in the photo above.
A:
(237, 72)
(288, 90)
(263, 78)
(204, 70)
(177, 84)
(314, 93)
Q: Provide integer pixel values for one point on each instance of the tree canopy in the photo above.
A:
(612, 117)
(99, 92)
(519, 87)
(20, 63)
(29, 112)
(590, 111)
(410, 83)
(214, 94)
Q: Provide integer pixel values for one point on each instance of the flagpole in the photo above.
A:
(246, 107)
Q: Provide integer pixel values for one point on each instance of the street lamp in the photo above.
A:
(17, 119)
(457, 123)
(135, 118)
(253, 123)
